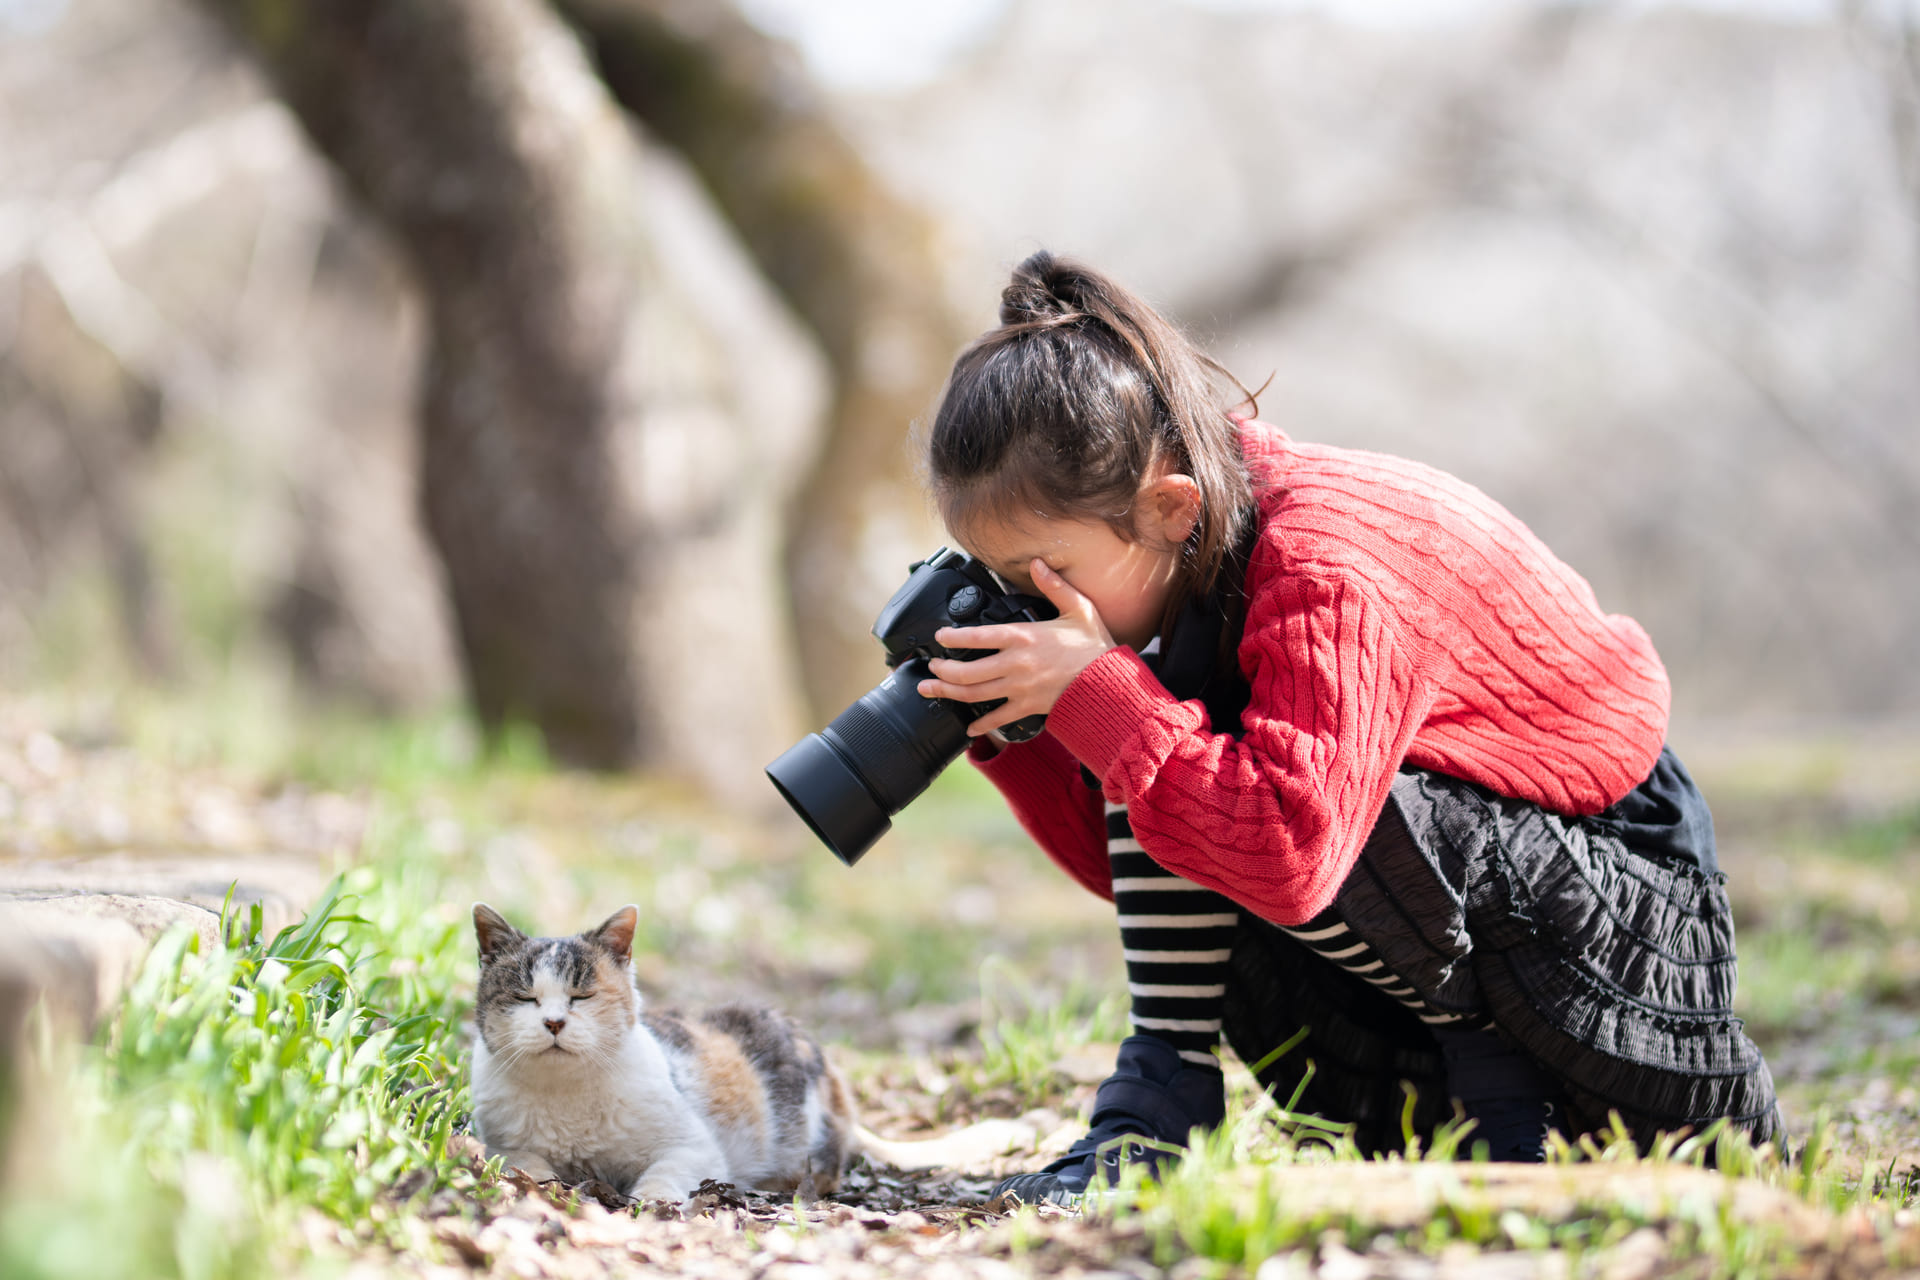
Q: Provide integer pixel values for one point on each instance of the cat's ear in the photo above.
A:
(616, 935)
(493, 930)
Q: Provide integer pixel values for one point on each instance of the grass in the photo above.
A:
(1024, 1035)
(273, 1105)
(244, 1083)
(1235, 1198)
(244, 1091)
(1793, 980)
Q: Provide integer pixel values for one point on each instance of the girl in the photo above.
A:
(1347, 747)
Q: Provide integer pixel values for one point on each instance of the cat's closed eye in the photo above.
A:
(528, 998)
(584, 995)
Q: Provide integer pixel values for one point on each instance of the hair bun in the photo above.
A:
(1043, 291)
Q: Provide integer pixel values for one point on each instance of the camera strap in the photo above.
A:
(1191, 664)
(1196, 659)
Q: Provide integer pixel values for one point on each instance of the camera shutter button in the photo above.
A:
(965, 603)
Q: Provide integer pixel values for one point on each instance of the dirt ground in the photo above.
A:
(954, 924)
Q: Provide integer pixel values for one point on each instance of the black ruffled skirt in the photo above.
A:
(1600, 946)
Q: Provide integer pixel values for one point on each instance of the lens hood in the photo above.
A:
(828, 793)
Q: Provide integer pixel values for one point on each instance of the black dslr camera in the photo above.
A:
(848, 780)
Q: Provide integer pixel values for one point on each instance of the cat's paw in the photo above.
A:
(656, 1187)
(533, 1166)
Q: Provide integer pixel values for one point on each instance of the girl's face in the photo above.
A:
(1129, 583)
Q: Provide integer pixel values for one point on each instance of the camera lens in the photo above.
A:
(847, 781)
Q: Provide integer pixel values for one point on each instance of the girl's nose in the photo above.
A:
(554, 1024)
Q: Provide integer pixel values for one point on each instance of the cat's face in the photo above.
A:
(555, 1000)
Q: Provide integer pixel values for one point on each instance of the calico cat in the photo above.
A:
(572, 1080)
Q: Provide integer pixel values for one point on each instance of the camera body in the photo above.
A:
(952, 589)
(847, 781)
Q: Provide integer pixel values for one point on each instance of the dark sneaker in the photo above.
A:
(1154, 1095)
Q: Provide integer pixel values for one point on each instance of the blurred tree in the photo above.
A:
(859, 265)
(1888, 34)
(77, 422)
(477, 134)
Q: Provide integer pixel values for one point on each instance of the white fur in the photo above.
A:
(972, 1146)
(595, 1100)
(603, 1098)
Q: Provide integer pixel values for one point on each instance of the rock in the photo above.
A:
(282, 884)
(102, 852)
(76, 951)
(74, 931)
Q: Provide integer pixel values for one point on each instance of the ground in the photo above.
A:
(295, 1103)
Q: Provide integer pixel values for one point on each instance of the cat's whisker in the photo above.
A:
(521, 1051)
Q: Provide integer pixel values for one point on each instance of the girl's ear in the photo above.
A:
(1170, 507)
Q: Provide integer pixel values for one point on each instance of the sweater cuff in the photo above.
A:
(1100, 713)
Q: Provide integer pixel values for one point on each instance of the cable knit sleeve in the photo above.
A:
(1275, 819)
(1043, 786)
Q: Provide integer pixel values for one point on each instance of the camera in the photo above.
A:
(847, 781)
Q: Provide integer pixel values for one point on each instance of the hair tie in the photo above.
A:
(1035, 322)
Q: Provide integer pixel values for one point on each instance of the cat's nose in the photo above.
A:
(554, 1024)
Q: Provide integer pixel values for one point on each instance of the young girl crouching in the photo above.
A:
(1347, 747)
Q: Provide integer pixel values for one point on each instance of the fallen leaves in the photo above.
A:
(546, 1229)
(885, 1222)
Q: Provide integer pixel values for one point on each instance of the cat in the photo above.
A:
(573, 1081)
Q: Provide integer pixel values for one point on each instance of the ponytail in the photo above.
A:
(1082, 394)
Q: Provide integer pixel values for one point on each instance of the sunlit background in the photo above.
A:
(375, 386)
(1645, 272)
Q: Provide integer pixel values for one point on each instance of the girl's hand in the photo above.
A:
(1036, 660)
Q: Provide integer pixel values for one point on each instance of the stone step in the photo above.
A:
(74, 930)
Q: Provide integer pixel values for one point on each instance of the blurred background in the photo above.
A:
(384, 378)
(558, 359)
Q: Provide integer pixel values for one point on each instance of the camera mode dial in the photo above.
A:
(965, 604)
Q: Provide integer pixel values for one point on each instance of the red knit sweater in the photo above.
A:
(1394, 614)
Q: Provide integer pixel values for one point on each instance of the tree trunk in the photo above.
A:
(80, 424)
(570, 498)
(859, 266)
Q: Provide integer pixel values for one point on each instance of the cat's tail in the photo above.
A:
(973, 1145)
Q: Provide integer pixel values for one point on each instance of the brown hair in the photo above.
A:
(1080, 395)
